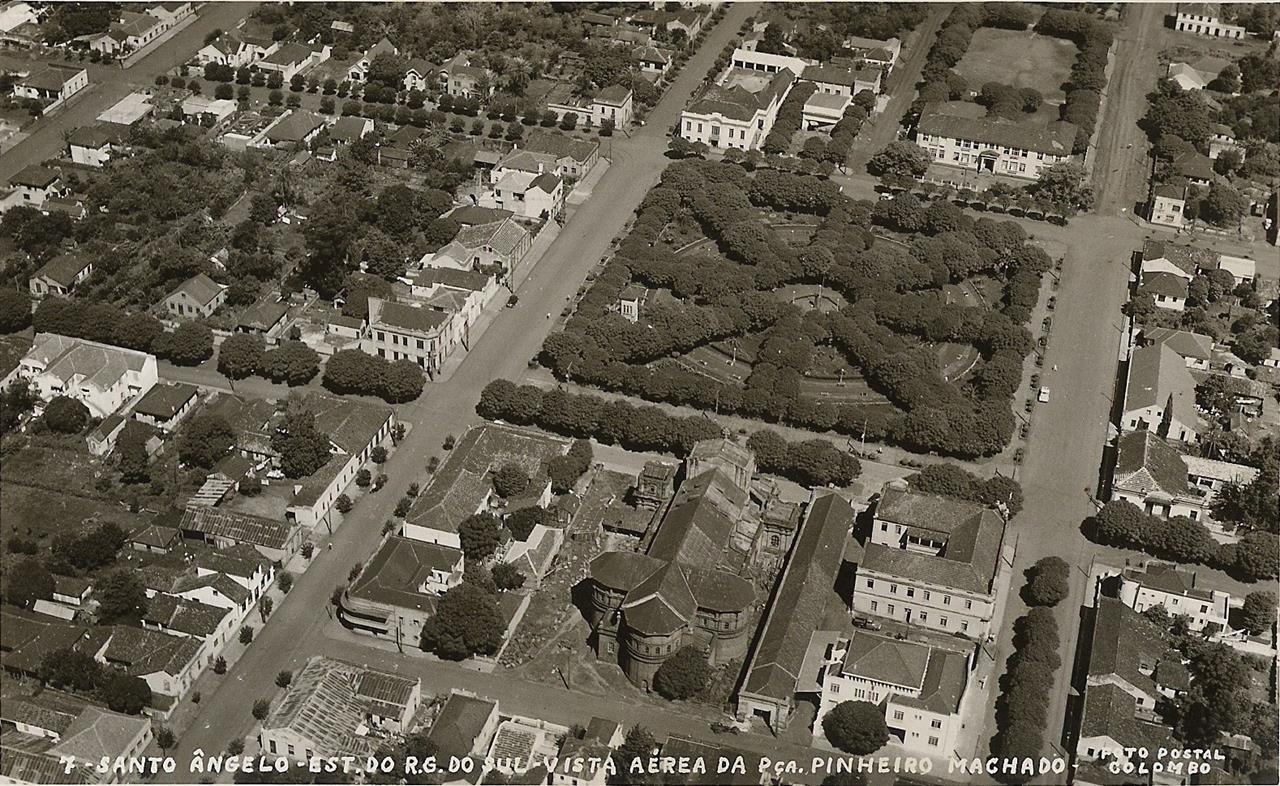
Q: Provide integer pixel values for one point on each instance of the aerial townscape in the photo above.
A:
(639, 393)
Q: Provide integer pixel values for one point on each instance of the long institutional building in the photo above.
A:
(997, 147)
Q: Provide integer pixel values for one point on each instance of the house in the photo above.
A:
(738, 110)
(155, 539)
(571, 157)
(808, 584)
(462, 485)
(932, 562)
(208, 112)
(212, 626)
(581, 760)
(1167, 290)
(51, 83)
(36, 183)
(1242, 269)
(1169, 205)
(396, 592)
(999, 147)
(60, 275)
(1195, 349)
(359, 70)
(291, 59)
(1160, 395)
(612, 103)
(346, 130)
(102, 439)
(1153, 475)
(1186, 261)
(1194, 167)
(463, 80)
(128, 110)
(421, 75)
(531, 196)
(227, 49)
(168, 664)
(1174, 588)
(630, 300)
(766, 63)
(55, 737)
(882, 54)
(94, 145)
(101, 376)
(460, 293)
(1187, 77)
(1130, 667)
(823, 110)
(837, 81)
(921, 688)
(465, 726)
(165, 405)
(294, 129)
(195, 298)
(1206, 19)
(130, 32)
(336, 708)
(398, 331)
(1223, 139)
(652, 60)
(267, 319)
(223, 528)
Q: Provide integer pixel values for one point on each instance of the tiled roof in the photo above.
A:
(1057, 138)
(1220, 470)
(349, 129)
(944, 681)
(263, 316)
(545, 182)
(101, 365)
(295, 127)
(1184, 342)
(699, 523)
(560, 146)
(28, 767)
(451, 277)
(844, 77)
(968, 561)
(1166, 284)
(1146, 463)
(1187, 258)
(99, 135)
(237, 526)
(64, 268)
(1194, 164)
(399, 315)
(460, 722)
(165, 400)
(288, 54)
(200, 288)
(504, 237)
(462, 484)
(35, 176)
(144, 652)
(51, 76)
(806, 587)
(49, 710)
(155, 535)
(398, 569)
(1157, 376)
(221, 582)
(324, 706)
(184, 616)
(737, 102)
(614, 95)
(886, 660)
(470, 215)
(1110, 711)
(1125, 644)
(1168, 578)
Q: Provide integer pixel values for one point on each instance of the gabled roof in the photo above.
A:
(737, 102)
(1168, 578)
(99, 135)
(461, 720)
(237, 526)
(165, 400)
(1189, 259)
(200, 288)
(505, 236)
(1110, 711)
(1159, 378)
(349, 129)
(1184, 342)
(844, 77)
(35, 176)
(294, 128)
(287, 55)
(64, 268)
(52, 76)
(404, 317)
(50, 710)
(156, 536)
(1125, 644)
(99, 733)
(1146, 463)
(699, 523)
(451, 277)
(400, 567)
(142, 652)
(560, 146)
(184, 616)
(1165, 284)
(806, 587)
(886, 660)
(1056, 138)
(613, 95)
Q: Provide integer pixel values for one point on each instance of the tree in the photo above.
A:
(856, 727)
(1223, 206)
(27, 582)
(219, 665)
(1120, 523)
(1257, 555)
(123, 693)
(266, 604)
(403, 506)
(1063, 185)
(293, 363)
(302, 448)
(284, 679)
(15, 311)
(205, 440)
(246, 634)
(637, 748)
(344, 504)
(1258, 613)
(479, 535)
(507, 576)
(510, 480)
(189, 345)
(165, 739)
(224, 92)
(67, 668)
(899, 159)
(353, 371)
(363, 478)
(402, 381)
(66, 415)
(467, 622)
(684, 675)
(378, 455)
(1049, 582)
(240, 354)
(286, 582)
(121, 597)
(261, 709)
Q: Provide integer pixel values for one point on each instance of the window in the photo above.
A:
(933, 741)
(382, 336)
(924, 616)
(272, 746)
(893, 589)
(964, 626)
(897, 715)
(884, 527)
(419, 343)
(911, 592)
(946, 600)
(943, 621)
(891, 608)
(937, 724)
(870, 583)
(835, 687)
(874, 605)
(968, 604)
(926, 594)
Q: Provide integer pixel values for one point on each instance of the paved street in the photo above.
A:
(296, 632)
(109, 85)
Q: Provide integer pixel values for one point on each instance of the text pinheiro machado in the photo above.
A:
(1174, 761)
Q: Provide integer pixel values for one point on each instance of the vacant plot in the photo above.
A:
(1018, 58)
(33, 513)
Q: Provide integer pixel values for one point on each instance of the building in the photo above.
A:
(875, 52)
(227, 49)
(837, 81)
(95, 145)
(630, 301)
(36, 183)
(933, 562)
(613, 103)
(921, 688)
(294, 129)
(530, 195)
(291, 59)
(346, 130)
(1160, 395)
(1167, 291)
(398, 331)
(222, 528)
(999, 147)
(1242, 269)
(807, 586)
(60, 275)
(168, 664)
(55, 737)
(396, 592)
(336, 708)
(267, 319)
(652, 60)
(766, 63)
(155, 539)
(580, 760)
(1205, 19)
(421, 75)
(51, 83)
(496, 246)
(102, 377)
(823, 110)
(1159, 256)
(738, 110)
(1174, 588)
(208, 112)
(465, 726)
(359, 70)
(165, 405)
(195, 298)
(128, 110)
(573, 157)
(1195, 349)
(1193, 167)
(1130, 667)
(462, 486)
(1169, 205)
(463, 80)
(212, 626)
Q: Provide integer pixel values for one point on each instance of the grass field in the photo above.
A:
(1019, 58)
(34, 513)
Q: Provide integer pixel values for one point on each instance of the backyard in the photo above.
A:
(1020, 58)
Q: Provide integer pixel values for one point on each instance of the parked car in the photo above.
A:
(1043, 398)
(866, 623)
(511, 301)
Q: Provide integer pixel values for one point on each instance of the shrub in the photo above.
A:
(1049, 582)
(66, 415)
(683, 675)
(856, 727)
